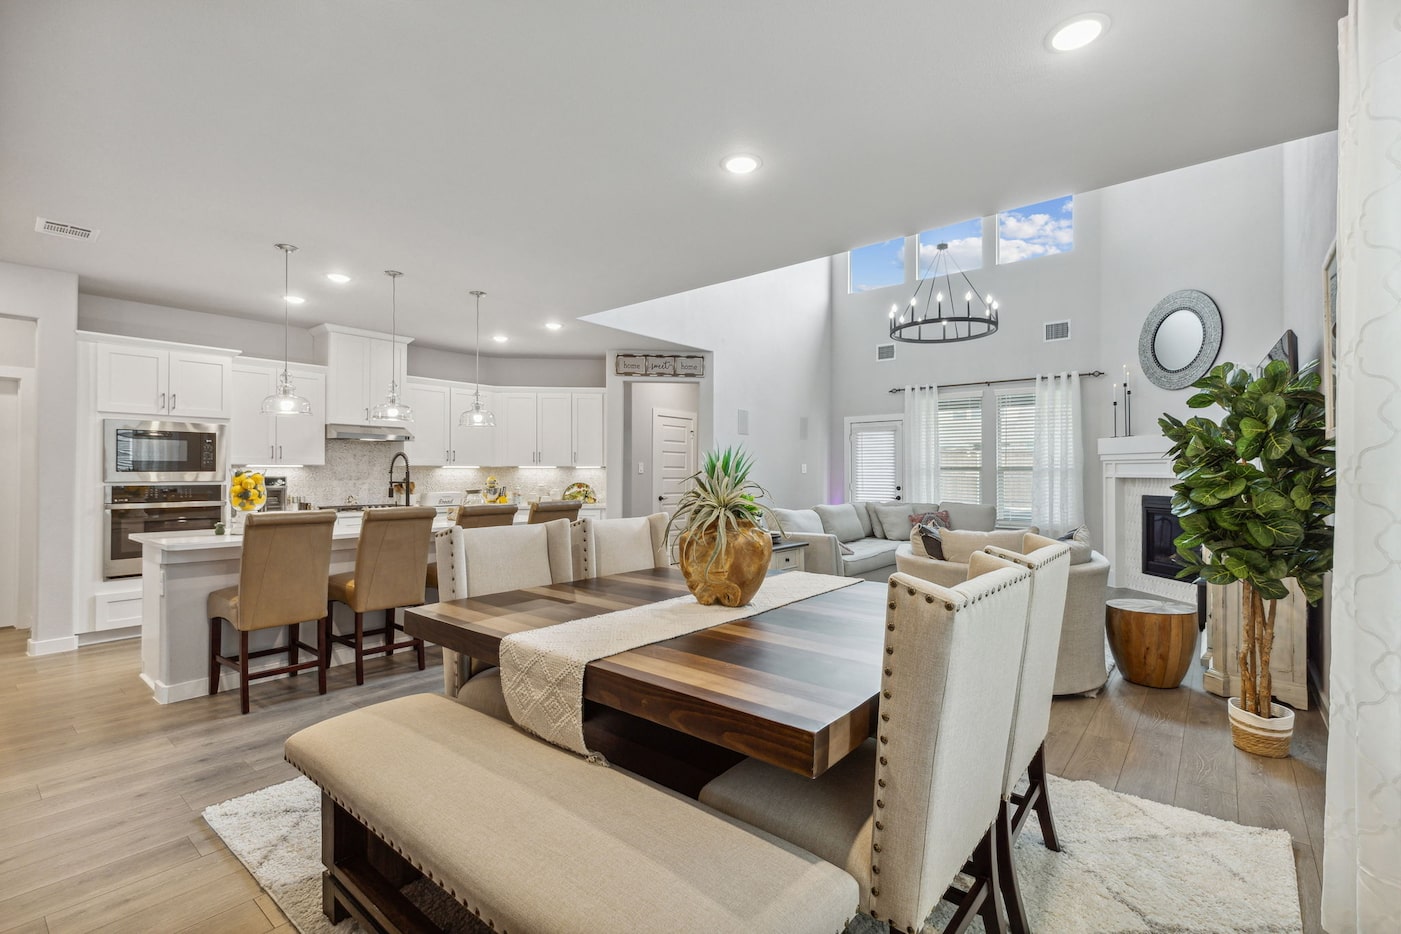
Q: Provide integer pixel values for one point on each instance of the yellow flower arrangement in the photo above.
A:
(247, 491)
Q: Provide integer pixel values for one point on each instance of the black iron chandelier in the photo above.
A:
(939, 318)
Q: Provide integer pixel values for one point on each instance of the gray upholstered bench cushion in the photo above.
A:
(536, 839)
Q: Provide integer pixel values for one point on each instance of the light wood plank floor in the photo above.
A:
(101, 788)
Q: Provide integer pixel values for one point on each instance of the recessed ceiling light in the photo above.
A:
(740, 163)
(553, 325)
(1077, 32)
(293, 299)
(339, 278)
(499, 338)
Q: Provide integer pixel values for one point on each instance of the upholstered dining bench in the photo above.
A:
(531, 838)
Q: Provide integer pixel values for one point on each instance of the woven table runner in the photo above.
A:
(542, 670)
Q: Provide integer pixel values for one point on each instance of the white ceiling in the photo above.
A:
(563, 156)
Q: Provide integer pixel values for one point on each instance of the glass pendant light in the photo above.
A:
(476, 416)
(285, 401)
(392, 409)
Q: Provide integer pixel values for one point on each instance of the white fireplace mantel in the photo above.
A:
(1133, 467)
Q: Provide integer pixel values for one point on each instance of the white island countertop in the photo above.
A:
(206, 540)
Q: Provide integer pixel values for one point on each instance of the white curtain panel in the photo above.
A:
(921, 444)
(1057, 468)
(1362, 816)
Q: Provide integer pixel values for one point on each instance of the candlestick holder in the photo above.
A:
(1128, 413)
(1115, 404)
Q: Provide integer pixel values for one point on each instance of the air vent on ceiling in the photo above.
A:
(1057, 330)
(59, 229)
(885, 352)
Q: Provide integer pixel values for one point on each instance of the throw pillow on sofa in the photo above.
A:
(979, 516)
(842, 521)
(927, 542)
(935, 520)
(1079, 542)
(894, 518)
(799, 520)
(960, 543)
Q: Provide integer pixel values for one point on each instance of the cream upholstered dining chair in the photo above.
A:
(1049, 563)
(391, 562)
(281, 582)
(476, 562)
(550, 510)
(612, 546)
(478, 516)
(904, 810)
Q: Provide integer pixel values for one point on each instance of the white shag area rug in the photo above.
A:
(1126, 865)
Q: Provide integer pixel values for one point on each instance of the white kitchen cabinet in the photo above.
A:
(517, 425)
(358, 366)
(472, 447)
(588, 430)
(163, 381)
(555, 429)
(432, 440)
(255, 438)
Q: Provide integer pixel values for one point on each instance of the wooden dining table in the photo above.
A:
(796, 686)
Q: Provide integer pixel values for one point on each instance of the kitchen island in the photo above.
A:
(178, 572)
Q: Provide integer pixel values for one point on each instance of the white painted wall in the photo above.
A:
(10, 470)
(50, 298)
(769, 336)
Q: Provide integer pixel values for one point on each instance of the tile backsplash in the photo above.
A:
(361, 469)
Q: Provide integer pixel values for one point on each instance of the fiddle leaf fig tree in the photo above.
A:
(1255, 490)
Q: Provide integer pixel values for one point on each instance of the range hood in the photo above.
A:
(385, 432)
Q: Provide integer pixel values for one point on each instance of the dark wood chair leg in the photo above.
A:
(293, 634)
(216, 639)
(1017, 921)
(1036, 774)
(389, 629)
(243, 670)
(359, 648)
(323, 655)
(422, 651)
(985, 864)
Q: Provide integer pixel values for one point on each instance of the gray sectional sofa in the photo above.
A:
(859, 539)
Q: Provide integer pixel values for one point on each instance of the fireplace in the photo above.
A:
(1160, 527)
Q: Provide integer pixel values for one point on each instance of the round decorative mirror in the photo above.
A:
(1180, 339)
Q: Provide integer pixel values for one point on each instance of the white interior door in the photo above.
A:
(9, 518)
(673, 456)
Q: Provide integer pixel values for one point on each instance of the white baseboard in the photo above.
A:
(108, 635)
(228, 680)
(38, 647)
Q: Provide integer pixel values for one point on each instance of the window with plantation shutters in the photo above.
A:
(873, 460)
(1016, 426)
(961, 448)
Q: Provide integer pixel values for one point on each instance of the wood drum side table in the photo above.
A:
(1153, 640)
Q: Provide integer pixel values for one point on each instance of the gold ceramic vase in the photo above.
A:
(738, 569)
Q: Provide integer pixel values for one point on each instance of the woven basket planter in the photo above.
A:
(1259, 736)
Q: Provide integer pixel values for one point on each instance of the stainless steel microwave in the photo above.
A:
(162, 452)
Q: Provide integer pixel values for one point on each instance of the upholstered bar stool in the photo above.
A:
(281, 582)
(391, 564)
(550, 510)
(480, 516)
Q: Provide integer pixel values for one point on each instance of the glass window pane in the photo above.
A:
(876, 266)
(875, 461)
(1016, 426)
(965, 242)
(1036, 230)
(961, 448)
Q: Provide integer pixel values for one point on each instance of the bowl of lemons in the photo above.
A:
(247, 493)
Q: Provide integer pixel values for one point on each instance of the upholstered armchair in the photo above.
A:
(1080, 665)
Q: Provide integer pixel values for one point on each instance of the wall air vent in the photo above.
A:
(1057, 330)
(68, 231)
(885, 352)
